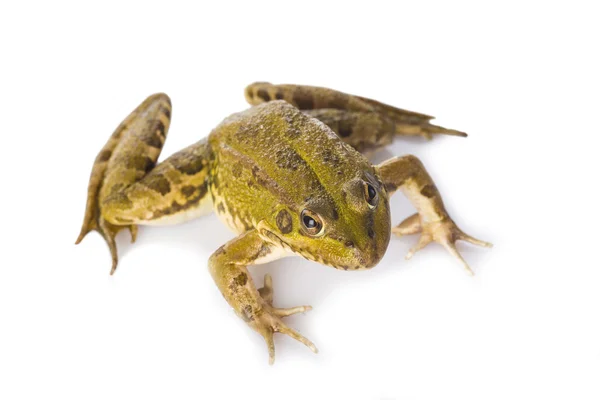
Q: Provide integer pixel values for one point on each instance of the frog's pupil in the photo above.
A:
(372, 192)
(309, 222)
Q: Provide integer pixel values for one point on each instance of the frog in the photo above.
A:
(289, 175)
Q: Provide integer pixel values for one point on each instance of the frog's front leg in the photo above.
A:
(432, 221)
(228, 269)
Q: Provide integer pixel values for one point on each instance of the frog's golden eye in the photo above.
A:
(371, 195)
(311, 222)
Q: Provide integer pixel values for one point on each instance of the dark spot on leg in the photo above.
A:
(119, 198)
(104, 155)
(167, 112)
(158, 183)
(241, 279)
(153, 140)
(284, 221)
(303, 102)
(160, 128)
(429, 190)
(191, 165)
(141, 163)
(188, 190)
(265, 250)
(221, 208)
(279, 96)
(262, 93)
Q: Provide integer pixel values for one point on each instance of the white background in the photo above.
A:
(520, 77)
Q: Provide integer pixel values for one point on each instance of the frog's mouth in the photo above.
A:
(275, 239)
(278, 241)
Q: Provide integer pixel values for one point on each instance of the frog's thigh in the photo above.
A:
(175, 191)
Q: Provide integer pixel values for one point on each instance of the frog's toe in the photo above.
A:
(286, 312)
(446, 233)
(266, 292)
(108, 232)
(409, 226)
(133, 230)
(268, 323)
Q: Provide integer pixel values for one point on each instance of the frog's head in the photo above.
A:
(350, 229)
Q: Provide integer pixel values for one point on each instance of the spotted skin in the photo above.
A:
(296, 156)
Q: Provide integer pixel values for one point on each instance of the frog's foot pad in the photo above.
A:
(108, 231)
(268, 321)
(444, 232)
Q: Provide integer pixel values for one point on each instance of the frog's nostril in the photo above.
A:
(371, 232)
(349, 244)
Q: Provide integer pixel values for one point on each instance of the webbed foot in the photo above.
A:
(444, 232)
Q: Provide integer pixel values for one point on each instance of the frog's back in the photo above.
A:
(274, 154)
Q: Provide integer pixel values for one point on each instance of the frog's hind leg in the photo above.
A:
(364, 131)
(128, 155)
(396, 120)
(176, 190)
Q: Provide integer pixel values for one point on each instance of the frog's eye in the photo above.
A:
(371, 195)
(311, 222)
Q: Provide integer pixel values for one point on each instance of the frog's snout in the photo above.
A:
(370, 257)
(371, 253)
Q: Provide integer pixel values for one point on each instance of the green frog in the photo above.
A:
(288, 175)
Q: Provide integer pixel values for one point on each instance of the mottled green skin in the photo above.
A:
(292, 162)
